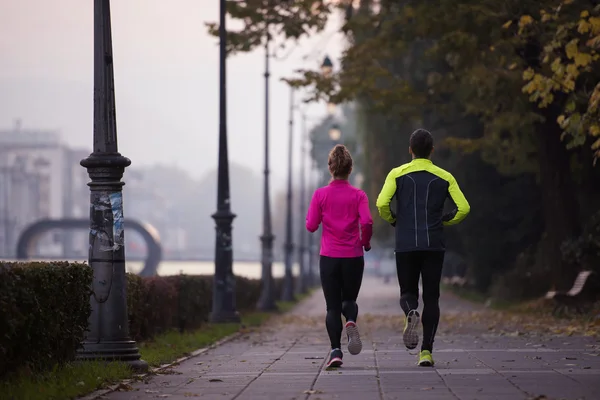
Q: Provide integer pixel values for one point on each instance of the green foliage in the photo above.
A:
(291, 19)
(44, 310)
(569, 34)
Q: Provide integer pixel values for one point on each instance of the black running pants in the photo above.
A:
(426, 265)
(341, 279)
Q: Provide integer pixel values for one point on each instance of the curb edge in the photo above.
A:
(102, 392)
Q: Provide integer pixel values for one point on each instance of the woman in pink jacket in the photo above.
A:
(347, 227)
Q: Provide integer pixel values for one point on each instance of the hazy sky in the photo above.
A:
(166, 71)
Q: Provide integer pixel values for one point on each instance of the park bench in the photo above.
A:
(454, 280)
(580, 297)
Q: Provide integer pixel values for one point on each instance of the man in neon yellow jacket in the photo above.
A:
(420, 189)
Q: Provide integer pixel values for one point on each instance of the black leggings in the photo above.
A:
(427, 265)
(341, 279)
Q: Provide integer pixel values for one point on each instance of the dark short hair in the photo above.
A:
(421, 143)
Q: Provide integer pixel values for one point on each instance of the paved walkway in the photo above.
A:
(285, 361)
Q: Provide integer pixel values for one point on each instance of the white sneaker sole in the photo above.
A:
(411, 334)
(335, 362)
(354, 342)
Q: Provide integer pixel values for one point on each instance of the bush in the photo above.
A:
(528, 279)
(583, 252)
(181, 302)
(44, 310)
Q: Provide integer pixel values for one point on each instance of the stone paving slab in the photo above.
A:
(285, 361)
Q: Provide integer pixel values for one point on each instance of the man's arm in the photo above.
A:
(385, 197)
(462, 205)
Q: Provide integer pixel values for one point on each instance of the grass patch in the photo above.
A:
(63, 382)
(465, 294)
(480, 298)
(76, 379)
(170, 346)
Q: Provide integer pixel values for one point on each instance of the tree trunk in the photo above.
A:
(559, 199)
(590, 182)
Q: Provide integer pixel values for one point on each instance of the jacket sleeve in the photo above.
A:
(365, 220)
(462, 205)
(313, 217)
(385, 197)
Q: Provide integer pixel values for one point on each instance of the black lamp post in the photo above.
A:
(288, 282)
(303, 281)
(108, 335)
(312, 266)
(223, 307)
(266, 302)
(327, 67)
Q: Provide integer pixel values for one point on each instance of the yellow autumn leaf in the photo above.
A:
(530, 87)
(568, 85)
(582, 59)
(528, 74)
(572, 69)
(560, 119)
(583, 26)
(545, 16)
(596, 145)
(525, 20)
(584, 14)
(571, 48)
(595, 24)
(594, 130)
(507, 24)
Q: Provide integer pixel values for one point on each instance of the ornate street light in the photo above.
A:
(223, 307)
(335, 133)
(327, 67)
(108, 335)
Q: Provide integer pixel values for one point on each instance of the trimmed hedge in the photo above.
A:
(44, 309)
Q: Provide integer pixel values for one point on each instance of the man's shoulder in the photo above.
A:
(399, 170)
(441, 173)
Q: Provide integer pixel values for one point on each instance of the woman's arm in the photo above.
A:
(365, 219)
(313, 217)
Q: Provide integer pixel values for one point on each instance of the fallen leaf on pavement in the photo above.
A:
(124, 387)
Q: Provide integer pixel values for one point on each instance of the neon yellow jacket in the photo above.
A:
(421, 189)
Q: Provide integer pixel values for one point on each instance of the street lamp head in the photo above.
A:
(331, 107)
(327, 67)
(335, 133)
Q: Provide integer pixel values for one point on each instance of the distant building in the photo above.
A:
(40, 178)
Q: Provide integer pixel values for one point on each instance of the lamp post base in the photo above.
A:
(288, 289)
(122, 351)
(266, 306)
(266, 301)
(223, 317)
